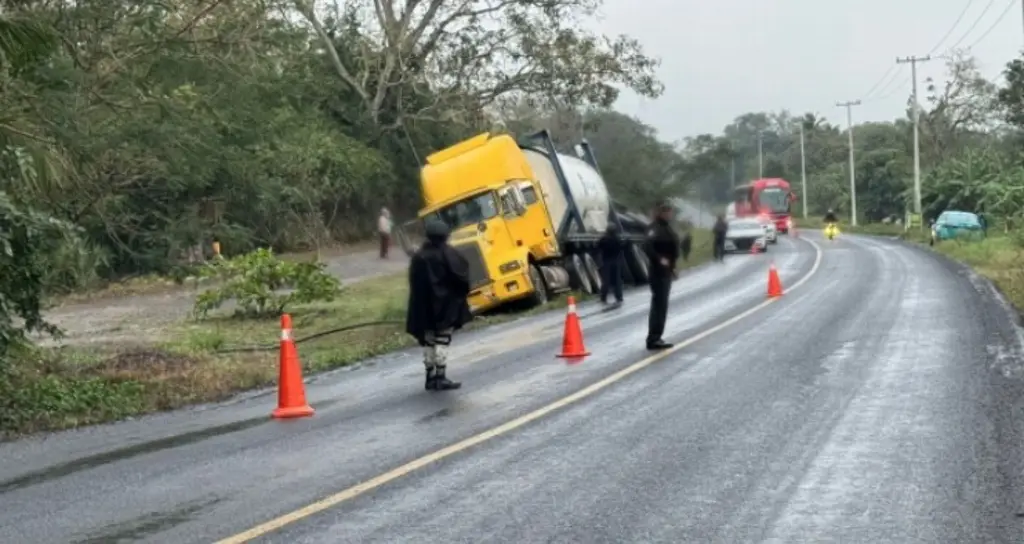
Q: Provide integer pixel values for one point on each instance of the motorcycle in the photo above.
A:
(831, 231)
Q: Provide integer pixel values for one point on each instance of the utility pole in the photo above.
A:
(760, 156)
(803, 170)
(912, 61)
(853, 186)
(733, 172)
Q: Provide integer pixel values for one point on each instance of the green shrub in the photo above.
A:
(253, 280)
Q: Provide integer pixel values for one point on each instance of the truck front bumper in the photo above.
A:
(503, 290)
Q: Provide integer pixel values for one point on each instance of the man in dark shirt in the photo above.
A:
(719, 230)
(830, 217)
(610, 246)
(663, 252)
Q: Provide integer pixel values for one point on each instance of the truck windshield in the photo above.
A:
(774, 200)
(468, 212)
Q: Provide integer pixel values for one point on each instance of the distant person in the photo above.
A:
(438, 289)
(384, 232)
(686, 242)
(663, 248)
(611, 248)
(830, 217)
(719, 231)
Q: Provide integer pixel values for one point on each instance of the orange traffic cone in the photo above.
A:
(572, 338)
(774, 283)
(291, 392)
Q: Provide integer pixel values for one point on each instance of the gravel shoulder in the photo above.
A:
(142, 319)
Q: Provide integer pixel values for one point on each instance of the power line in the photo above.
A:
(953, 27)
(894, 72)
(988, 6)
(879, 82)
(894, 90)
(1002, 16)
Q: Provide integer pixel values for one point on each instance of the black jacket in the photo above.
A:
(662, 243)
(611, 247)
(438, 287)
(831, 218)
(720, 229)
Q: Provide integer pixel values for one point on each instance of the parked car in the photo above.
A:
(744, 234)
(956, 224)
(771, 233)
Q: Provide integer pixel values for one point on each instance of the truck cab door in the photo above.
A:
(532, 229)
(410, 235)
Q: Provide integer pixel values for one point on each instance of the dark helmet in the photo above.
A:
(436, 230)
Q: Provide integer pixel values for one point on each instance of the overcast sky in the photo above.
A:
(722, 58)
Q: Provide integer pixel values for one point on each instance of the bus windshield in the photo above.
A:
(467, 212)
(774, 200)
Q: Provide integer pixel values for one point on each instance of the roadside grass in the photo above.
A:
(1000, 258)
(44, 389)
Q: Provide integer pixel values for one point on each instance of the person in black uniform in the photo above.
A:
(686, 243)
(438, 289)
(719, 230)
(830, 217)
(610, 246)
(663, 250)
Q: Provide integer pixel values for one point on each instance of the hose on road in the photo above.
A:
(251, 349)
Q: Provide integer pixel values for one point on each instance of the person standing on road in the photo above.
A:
(686, 243)
(663, 251)
(610, 246)
(438, 289)
(719, 230)
(384, 232)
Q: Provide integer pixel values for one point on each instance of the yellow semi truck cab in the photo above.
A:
(485, 190)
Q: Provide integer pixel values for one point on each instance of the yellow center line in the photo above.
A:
(416, 464)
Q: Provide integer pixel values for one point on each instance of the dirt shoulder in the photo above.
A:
(143, 319)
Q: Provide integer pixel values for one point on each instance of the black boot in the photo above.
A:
(658, 345)
(441, 383)
(431, 383)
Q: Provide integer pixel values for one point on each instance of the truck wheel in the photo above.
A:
(593, 272)
(638, 266)
(540, 289)
(578, 275)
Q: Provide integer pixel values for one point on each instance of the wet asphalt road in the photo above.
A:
(878, 402)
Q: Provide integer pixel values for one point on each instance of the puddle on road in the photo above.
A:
(147, 525)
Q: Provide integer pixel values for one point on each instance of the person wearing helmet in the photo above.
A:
(830, 217)
(438, 291)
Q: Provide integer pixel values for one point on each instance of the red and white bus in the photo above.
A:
(768, 198)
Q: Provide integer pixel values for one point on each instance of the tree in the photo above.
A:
(469, 56)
